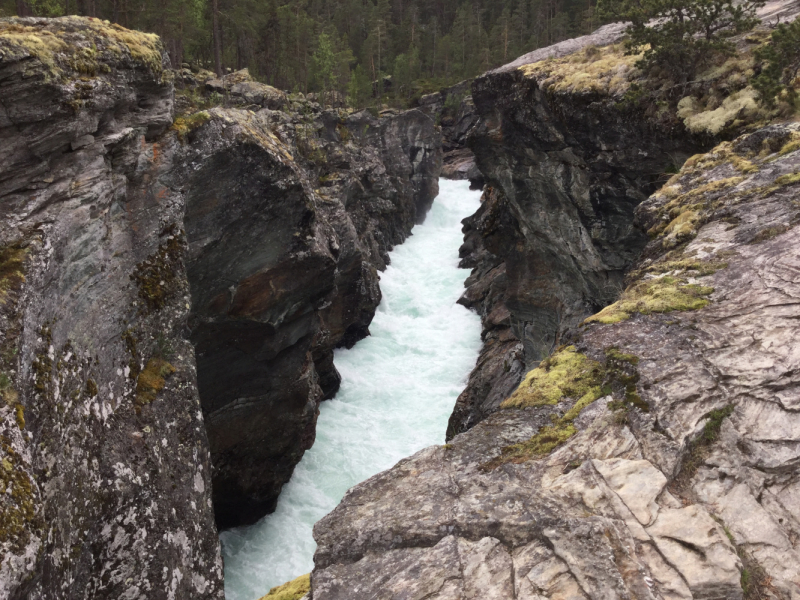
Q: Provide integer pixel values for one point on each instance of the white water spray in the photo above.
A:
(398, 388)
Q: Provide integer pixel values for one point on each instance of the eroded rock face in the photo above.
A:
(278, 222)
(289, 216)
(454, 111)
(564, 171)
(105, 487)
(666, 464)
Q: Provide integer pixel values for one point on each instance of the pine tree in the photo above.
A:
(679, 37)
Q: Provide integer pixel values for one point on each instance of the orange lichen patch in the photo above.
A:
(152, 380)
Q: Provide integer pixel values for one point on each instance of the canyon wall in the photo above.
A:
(655, 456)
(106, 478)
(630, 429)
(171, 292)
(289, 216)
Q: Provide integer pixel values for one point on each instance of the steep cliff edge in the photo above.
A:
(289, 216)
(161, 279)
(105, 476)
(654, 457)
(571, 139)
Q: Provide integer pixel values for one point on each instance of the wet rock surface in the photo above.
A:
(674, 477)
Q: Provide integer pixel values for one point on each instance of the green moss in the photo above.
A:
(698, 449)
(156, 275)
(91, 388)
(789, 179)
(567, 373)
(185, 124)
(61, 45)
(17, 505)
(19, 413)
(152, 380)
(769, 233)
(791, 145)
(601, 70)
(697, 268)
(548, 439)
(659, 295)
(344, 133)
(12, 272)
(737, 105)
(131, 345)
(293, 590)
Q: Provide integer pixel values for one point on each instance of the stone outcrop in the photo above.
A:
(564, 169)
(105, 480)
(567, 155)
(289, 217)
(161, 278)
(654, 457)
(455, 112)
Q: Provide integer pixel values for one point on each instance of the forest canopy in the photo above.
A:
(414, 46)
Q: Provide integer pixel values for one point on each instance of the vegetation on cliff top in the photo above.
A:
(416, 46)
(81, 45)
(570, 375)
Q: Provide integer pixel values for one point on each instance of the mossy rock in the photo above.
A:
(293, 590)
(599, 70)
(185, 124)
(152, 380)
(17, 498)
(658, 295)
(69, 47)
(12, 270)
(567, 373)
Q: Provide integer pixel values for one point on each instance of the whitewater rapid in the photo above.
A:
(398, 388)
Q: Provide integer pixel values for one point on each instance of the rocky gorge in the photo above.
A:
(150, 327)
(629, 430)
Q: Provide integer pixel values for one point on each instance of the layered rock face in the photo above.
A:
(654, 457)
(161, 278)
(105, 486)
(565, 167)
(455, 112)
(289, 216)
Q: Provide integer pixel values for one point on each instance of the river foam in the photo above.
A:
(398, 388)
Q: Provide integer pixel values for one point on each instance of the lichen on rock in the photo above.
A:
(292, 590)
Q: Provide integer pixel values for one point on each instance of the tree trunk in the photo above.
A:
(23, 10)
(217, 38)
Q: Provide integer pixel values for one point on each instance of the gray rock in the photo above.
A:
(660, 496)
(104, 464)
(289, 217)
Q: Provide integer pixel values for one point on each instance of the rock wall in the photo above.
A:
(654, 457)
(565, 165)
(566, 156)
(289, 217)
(454, 110)
(105, 475)
(171, 292)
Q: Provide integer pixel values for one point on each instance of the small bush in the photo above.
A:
(781, 58)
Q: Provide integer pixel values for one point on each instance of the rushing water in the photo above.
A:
(398, 389)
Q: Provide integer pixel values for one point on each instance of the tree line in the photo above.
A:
(411, 46)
